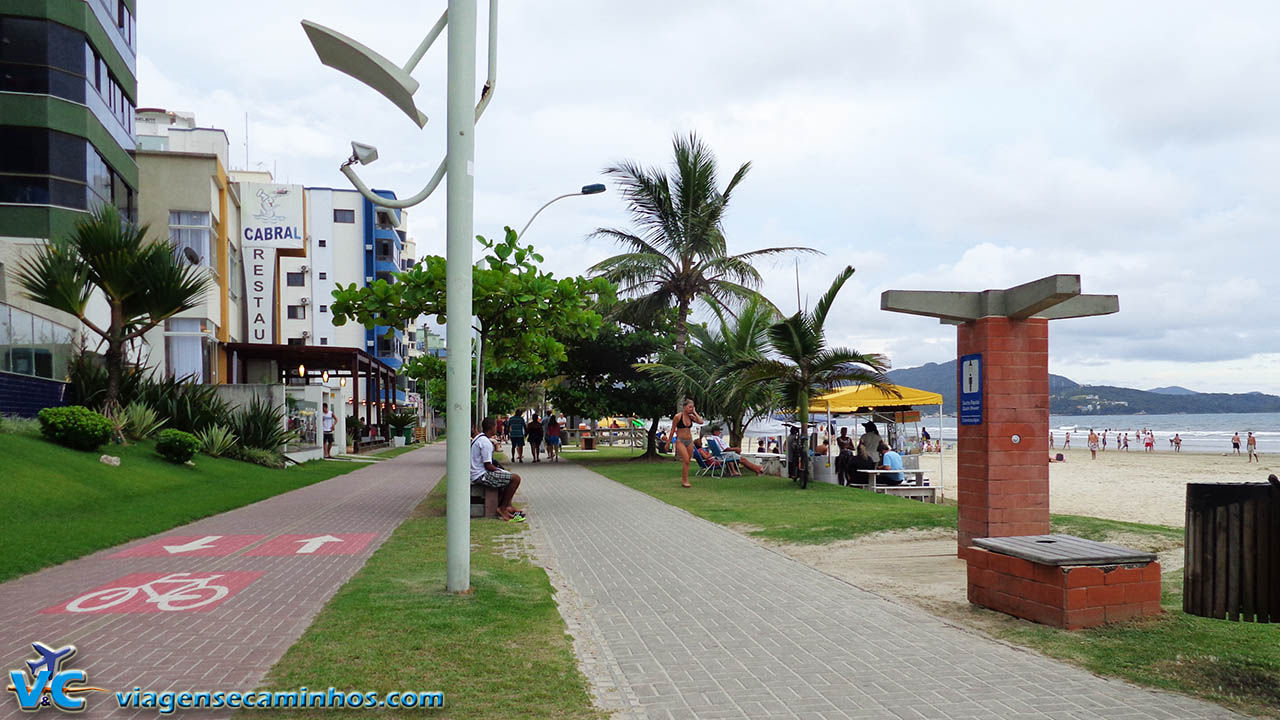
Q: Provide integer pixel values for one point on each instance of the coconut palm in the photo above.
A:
(678, 252)
(709, 370)
(143, 282)
(803, 365)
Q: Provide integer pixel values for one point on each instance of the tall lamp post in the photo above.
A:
(395, 83)
(482, 404)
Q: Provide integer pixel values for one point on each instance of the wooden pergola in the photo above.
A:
(316, 361)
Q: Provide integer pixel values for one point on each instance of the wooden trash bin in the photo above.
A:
(1232, 568)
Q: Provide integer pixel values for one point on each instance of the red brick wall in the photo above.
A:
(1065, 597)
(1003, 487)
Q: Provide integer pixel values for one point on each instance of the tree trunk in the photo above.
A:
(651, 450)
(682, 325)
(114, 358)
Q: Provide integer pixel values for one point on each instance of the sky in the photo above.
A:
(965, 145)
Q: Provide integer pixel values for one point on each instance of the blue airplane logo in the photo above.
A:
(50, 658)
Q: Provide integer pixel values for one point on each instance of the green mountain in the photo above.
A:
(1067, 397)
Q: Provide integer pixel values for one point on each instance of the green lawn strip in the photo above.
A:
(98, 506)
(770, 507)
(499, 652)
(388, 453)
(1231, 663)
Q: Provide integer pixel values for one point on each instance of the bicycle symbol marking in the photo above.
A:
(158, 592)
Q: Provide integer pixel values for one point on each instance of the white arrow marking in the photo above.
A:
(313, 544)
(203, 543)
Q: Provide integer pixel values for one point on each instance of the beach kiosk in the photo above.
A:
(893, 404)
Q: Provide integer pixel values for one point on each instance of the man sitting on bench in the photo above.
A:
(486, 473)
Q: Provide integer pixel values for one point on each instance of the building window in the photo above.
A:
(190, 234)
(344, 216)
(190, 350)
(32, 345)
(324, 276)
(324, 308)
(296, 341)
(297, 312)
(324, 341)
(235, 289)
(295, 279)
(322, 243)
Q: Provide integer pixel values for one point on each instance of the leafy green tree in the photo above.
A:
(601, 377)
(144, 283)
(802, 365)
(678, 251)
(710, 370)
(524, 313)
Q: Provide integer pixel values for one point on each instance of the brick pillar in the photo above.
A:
(1004, 487)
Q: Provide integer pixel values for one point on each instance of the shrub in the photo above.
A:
(265, 458)
(140, 421)
(75, 427)
(14, 425)
(216, 440)
(355, 427)
(181, 403)
(261, 426)
(177, 446)
(401, 419)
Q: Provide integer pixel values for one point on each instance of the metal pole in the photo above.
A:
(458, 229)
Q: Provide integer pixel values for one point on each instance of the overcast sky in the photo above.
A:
(932, 145)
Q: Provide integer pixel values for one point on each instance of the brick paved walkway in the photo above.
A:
(686, 619)
(280, 559)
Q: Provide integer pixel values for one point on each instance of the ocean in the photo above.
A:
(1205, 433)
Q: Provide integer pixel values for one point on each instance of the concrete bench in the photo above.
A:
(484, 501)
(1063, 580)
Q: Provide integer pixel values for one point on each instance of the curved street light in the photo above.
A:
(592, 189)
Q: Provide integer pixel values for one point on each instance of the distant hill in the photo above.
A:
(1067, 397)
(1173, 390)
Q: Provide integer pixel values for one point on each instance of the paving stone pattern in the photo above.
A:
(697, 621)
(231, 646)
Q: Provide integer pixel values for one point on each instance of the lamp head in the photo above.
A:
(363, 154)
(593, 189)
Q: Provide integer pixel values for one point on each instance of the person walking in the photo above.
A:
(327, 423)
(1093, 444)
(553, 438)
(1235, 443)
(682, 428)
(1066, 442)
(534, 431)
(1177, 443)
(1251, 446)
(516, 432)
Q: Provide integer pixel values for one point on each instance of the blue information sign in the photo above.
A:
(971, 389)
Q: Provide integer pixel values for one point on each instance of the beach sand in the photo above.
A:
(1131, 486)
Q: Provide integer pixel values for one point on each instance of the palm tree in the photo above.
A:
(144, 283)
(804, 366)
(678, 252)
(709, 369)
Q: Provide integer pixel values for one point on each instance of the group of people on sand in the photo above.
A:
(1147, 437)
(1251, 446)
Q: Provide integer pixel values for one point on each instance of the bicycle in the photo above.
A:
(189, 593)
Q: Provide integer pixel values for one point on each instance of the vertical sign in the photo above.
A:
(971, 389)
(271, 219)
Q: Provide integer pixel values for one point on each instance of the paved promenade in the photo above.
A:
(682, 618)
(214, 604)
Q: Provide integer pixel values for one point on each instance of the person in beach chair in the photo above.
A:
(708, 464)
(730, 456)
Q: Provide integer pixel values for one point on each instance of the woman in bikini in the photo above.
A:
(682, 427)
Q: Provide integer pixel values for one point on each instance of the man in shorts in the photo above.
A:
(327, 421)
(515, 431)
(484, 471)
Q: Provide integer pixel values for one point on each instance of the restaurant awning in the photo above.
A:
(869, 397)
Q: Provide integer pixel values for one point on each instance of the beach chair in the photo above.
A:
(712, 467)
(717, 453)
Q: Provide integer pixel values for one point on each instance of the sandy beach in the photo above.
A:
(1132, 486)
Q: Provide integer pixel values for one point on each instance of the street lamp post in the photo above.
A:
(395, 83)
(482, 403)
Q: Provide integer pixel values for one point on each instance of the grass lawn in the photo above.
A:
(98, 506)
(388, 453)
(499, 652)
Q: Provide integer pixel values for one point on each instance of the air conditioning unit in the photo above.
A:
(305, 301)
(305, 268)
(306, 334)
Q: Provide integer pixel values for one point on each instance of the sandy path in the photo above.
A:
(1132, 486)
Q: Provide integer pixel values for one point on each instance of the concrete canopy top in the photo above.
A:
(1053, 298)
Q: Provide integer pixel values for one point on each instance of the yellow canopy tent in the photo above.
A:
(853, 399)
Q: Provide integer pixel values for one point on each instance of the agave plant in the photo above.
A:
(261, 426)
(139, 421)
(216, 440)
